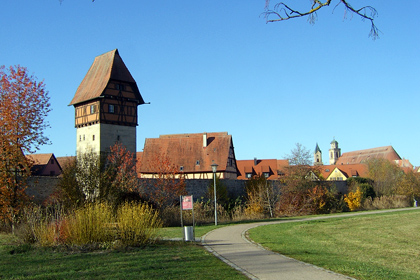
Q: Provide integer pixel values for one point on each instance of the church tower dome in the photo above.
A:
(335, 152)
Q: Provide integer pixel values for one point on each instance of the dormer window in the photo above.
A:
(181, 168)
(197, 162)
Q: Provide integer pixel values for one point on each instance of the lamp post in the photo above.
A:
(214, 168)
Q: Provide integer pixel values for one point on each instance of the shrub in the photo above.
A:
(387, 202)
(95, 224)
(86, 224)
(137, 224)
(354, 199)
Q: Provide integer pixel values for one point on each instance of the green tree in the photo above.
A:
(92, 177)
(222, 194)
(386, 176)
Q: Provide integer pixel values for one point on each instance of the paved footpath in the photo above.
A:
(230, 245)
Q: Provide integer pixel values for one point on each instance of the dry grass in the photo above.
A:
(387, 202)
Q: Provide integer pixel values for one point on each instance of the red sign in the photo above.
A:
(187, 202)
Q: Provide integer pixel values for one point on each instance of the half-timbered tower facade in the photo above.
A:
(106, 106)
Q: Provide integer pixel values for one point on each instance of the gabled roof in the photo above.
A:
(106, 67)
(189, 151)
(349, 170)
(260, 166)
(361, 156)
(40, 162)
(65, 161)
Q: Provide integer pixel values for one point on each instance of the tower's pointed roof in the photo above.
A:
(106, 67)
(317, 149)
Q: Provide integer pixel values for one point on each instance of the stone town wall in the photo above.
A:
(40, 188)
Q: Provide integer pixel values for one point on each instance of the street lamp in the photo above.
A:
(214, 168)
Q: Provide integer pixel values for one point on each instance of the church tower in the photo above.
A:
(317, 155)
(105, 106)
(335, 152)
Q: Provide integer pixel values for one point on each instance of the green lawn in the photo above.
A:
(177, 232)
(168, 260)
(380, 246)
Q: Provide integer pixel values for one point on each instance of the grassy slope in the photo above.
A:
(381, 246)
(163, 261)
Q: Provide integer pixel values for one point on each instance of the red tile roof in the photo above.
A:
(188, 151)
(356, 157)
(65, 161)
(261, 166)
(42, 164)
(349, 170)
(106, 67)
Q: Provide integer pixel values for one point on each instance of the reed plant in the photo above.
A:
(137, 224)
(94, 225)
(87, 225)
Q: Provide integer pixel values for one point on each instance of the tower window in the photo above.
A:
(119, 87)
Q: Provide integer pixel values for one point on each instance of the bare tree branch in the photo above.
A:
(281, 11)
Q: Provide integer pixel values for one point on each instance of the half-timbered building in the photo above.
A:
(189, 155)
(106, 106)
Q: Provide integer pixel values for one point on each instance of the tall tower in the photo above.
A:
(317, 155)
(335, 152)
(105, 106)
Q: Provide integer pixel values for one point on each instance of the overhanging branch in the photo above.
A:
(281, 11)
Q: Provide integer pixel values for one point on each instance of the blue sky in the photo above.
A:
(210, 66)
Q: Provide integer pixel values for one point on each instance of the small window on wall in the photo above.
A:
(266, 174)
(111, 108)
(93, 137)
(248, 175)
(92, 109)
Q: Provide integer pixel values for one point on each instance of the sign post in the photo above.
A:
(187, 203)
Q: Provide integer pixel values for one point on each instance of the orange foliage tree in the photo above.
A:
(167, 183)
(122, 167)
(24, 105)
